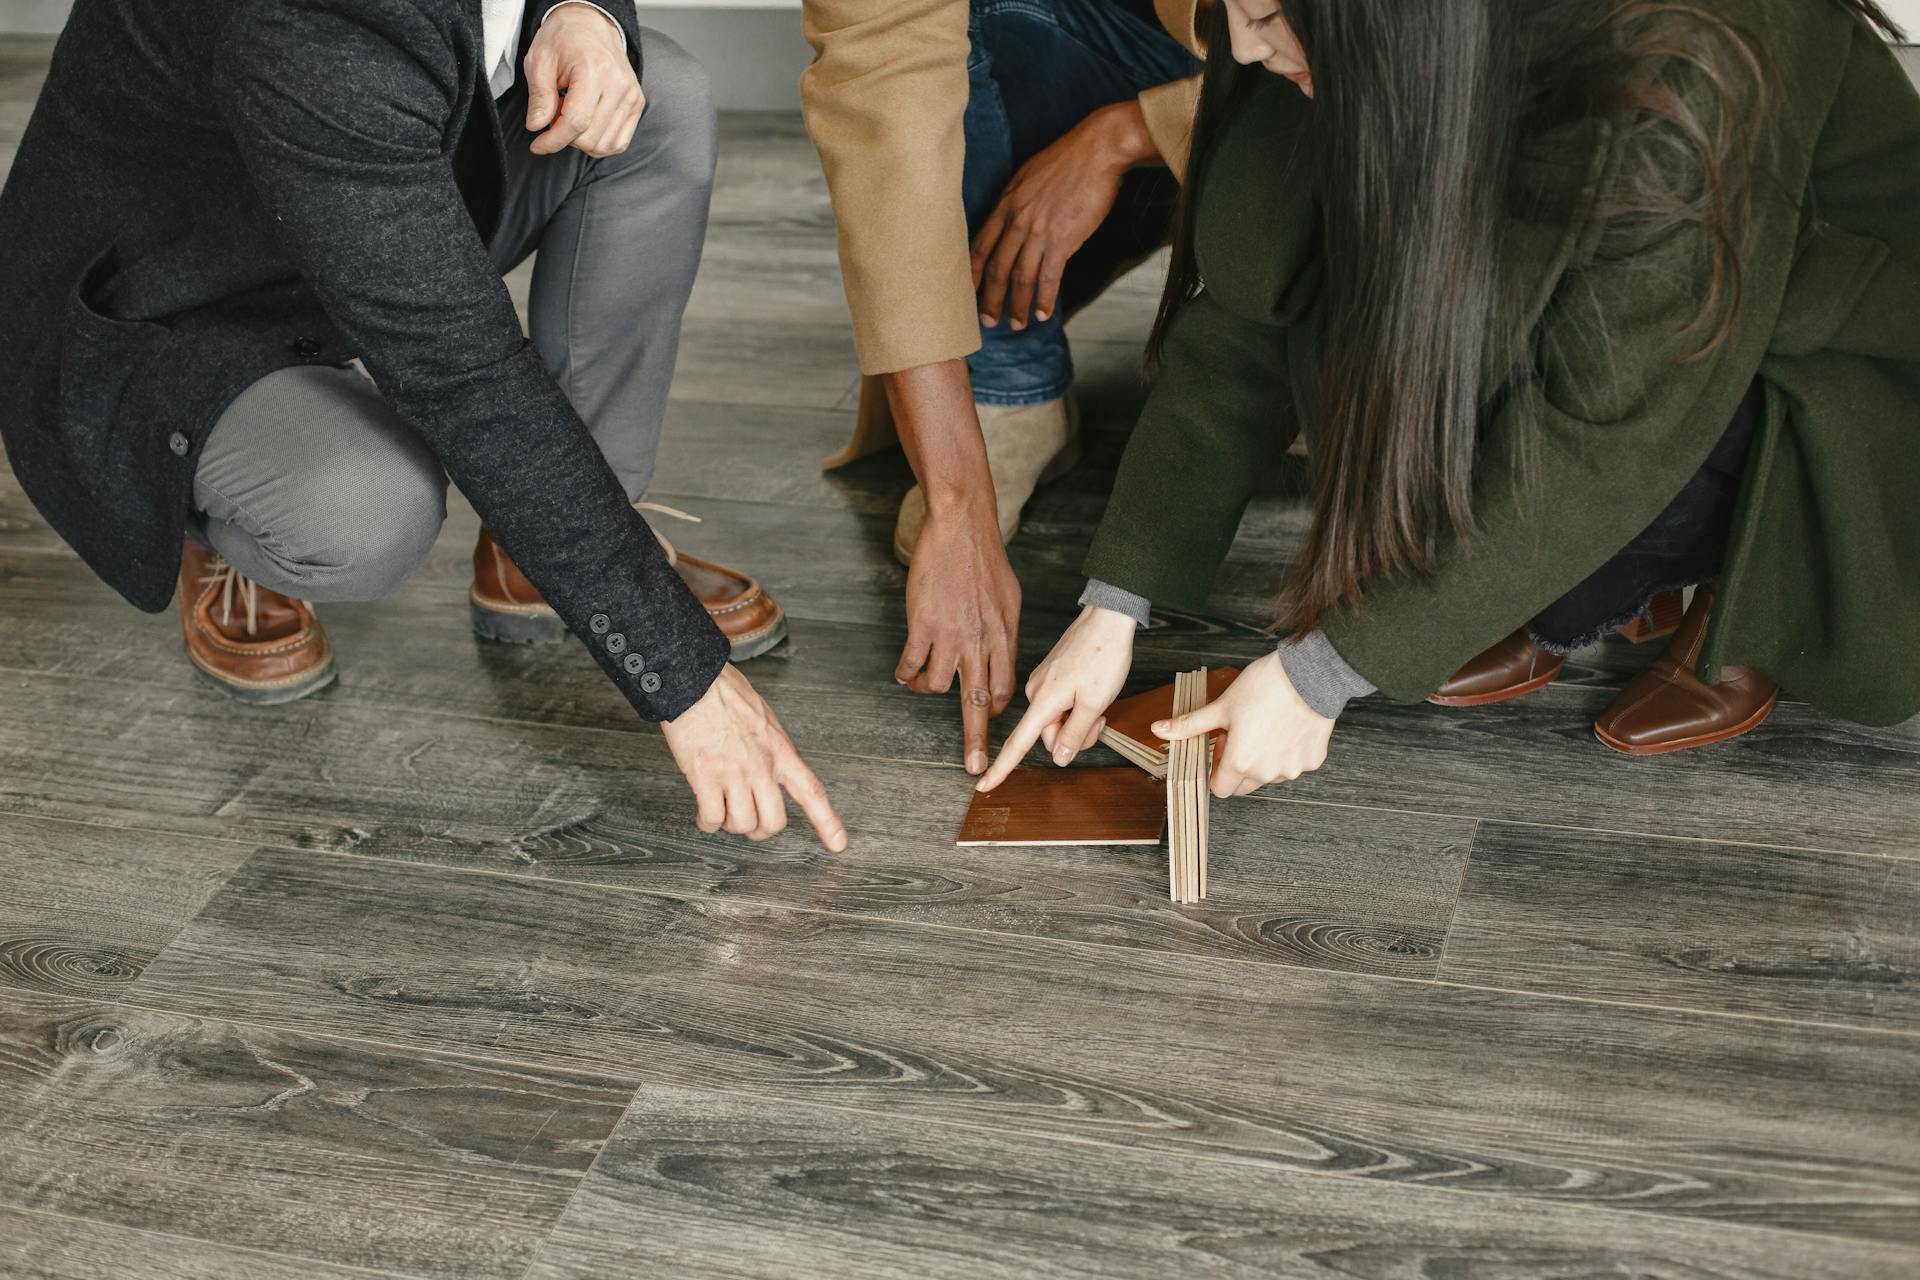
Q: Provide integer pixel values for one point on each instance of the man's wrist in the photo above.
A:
(939, 427)
(1124, 139)
(948, 500)
(590, 7)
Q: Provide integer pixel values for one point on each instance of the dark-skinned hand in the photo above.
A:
(1055, 202)
(963, 619)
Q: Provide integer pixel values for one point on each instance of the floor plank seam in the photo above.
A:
(1271, 1167)
(1459, 892)
(1535, 824)
(548, 727)
(539, 1250)
(249, 1249)
(901, 922)
(1167, 957)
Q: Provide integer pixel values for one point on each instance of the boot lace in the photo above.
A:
(231, 583)
(673, 557)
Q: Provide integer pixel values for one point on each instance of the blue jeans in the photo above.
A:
(1037, 69)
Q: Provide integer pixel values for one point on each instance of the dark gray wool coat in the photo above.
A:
(210, 190)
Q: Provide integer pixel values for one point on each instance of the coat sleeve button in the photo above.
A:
(179, 443)
(650, 682)
(306, 347)
(634, 664)
(599, 623)
(616, 643)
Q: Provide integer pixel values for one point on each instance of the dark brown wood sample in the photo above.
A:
(1068, 806)
(1135, 716)
(1130, 721)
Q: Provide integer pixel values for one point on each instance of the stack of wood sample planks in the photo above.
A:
(1050, 806)
(1189, 764)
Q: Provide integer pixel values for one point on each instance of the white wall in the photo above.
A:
(1906, 13)
(33, 17)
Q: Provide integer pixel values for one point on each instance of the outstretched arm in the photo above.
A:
(341, 110)
(884, 101)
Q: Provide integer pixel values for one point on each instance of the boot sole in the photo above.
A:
(265, 695)
(1751, 723)
(515, 626)
(752, 645)
(1500, 695)
(1064, 461)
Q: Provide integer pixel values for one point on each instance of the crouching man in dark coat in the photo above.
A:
(218, 205)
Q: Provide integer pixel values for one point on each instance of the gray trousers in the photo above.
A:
(312, 486)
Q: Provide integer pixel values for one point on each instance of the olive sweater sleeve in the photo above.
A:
(1220, 415)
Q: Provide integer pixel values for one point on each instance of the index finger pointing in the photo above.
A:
(976, 702)
(1019, 742)
(807, 792)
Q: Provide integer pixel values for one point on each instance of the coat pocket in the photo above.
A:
(1830, 273)
(101, 358)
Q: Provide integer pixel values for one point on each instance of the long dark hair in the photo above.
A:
(1424, 121)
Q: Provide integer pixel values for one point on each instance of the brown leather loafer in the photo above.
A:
(1669, 708)
(1514, 667)
(246, 641)
(505, 606)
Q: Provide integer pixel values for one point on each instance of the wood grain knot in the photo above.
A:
(52, 964)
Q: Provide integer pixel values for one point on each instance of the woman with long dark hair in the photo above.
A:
(1577, 303)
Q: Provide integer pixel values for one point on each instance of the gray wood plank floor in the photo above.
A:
(430, 976)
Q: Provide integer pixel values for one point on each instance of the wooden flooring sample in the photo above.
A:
(1187, 769)
(1130, 721)
(1050, 805)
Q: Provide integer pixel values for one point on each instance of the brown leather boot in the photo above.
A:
(1662, 618)
(1668, 707)
(751, 620)
(505, 606)
(1509, 669)
(248, 642)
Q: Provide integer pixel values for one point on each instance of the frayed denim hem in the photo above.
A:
(1565, 648)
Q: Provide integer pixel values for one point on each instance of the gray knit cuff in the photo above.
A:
(1320, 675)
(1104, 595)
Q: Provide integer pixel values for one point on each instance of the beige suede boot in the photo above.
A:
(1027, 445)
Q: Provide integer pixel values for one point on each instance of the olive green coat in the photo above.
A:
(1822, 584)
